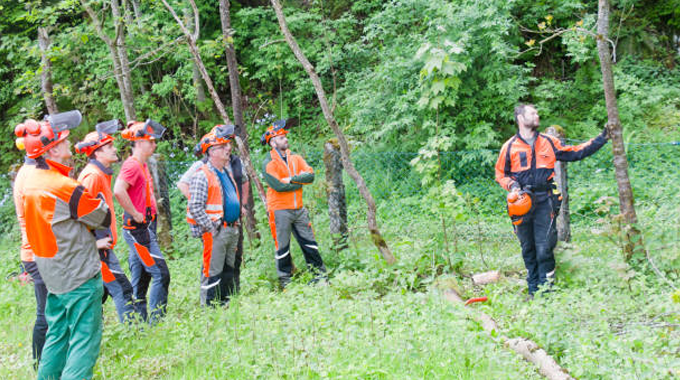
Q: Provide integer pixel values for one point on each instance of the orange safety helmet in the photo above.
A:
(39, 136)
(519, 205)
(278, 128)
(100, 137)
(220, 134)
(143, 130)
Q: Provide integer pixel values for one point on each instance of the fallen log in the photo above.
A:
(486, 277)
(529, 350)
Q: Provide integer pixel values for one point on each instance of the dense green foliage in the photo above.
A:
(398, 68)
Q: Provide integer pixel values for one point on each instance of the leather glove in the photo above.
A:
(515, 187)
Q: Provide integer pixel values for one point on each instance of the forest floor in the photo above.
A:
(381, 322)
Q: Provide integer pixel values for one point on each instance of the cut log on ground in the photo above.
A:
(486, 277)
(530, 351)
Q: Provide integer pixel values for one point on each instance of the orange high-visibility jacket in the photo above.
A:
(280, 195)
(60, 215)
(24, 172)
(97, 180)
(214, 206)
(534, 165)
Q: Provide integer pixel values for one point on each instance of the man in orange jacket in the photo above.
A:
(213, 211)
(286, 173)
(526, 163)
(96, 177)
(134, 191)
(28, 257)
(60, 216)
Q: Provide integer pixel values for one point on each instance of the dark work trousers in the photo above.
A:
(117, 285)
(285, 222)
(538, 236)
(40, 326)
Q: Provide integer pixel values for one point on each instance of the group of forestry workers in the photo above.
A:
(69, 229)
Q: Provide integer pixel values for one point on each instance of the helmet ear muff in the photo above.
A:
(20, 130)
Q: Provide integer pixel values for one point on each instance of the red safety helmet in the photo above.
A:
(100, 137)
(143, 130)
(39, 136)
(220, 134)
(519, 205)
(278, 128)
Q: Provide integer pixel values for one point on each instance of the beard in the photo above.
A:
(534, 125)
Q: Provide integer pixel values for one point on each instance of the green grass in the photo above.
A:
(604, 321)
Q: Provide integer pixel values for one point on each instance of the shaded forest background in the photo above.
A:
(402, 75)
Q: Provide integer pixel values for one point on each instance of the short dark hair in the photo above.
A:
(519, 110)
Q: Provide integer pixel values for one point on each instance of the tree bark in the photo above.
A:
(121, 48)
(376, 236)
(335, 191)
(158, 169)
(46, 77)
(191, 42)
(561, 179)
(237, 105)
(115, 59)
(198, 81)
(633, 242)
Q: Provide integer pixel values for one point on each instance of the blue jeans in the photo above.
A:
(146, 263)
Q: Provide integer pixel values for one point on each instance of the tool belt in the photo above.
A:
(544, 187)
(139, 231)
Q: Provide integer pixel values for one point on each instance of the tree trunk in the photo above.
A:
(129, 99)
(376, 236)
(198, 81)
(115, 58)
(563, 219)
(633, 241)
(46, 78)
(138, 11)
(158, 170)
(237, 106)
(191, 42)
(335, 191)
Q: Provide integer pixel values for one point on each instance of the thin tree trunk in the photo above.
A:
(335, 191)
(119, 23)
(138, 11)
(158, 169)
(191, 42)
(376, 236)
(562, 182)
(115, 59)
(46, 78)
(633, 244)
(198, 81)
(237, 105)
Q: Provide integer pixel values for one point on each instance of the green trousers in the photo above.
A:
(74, 321)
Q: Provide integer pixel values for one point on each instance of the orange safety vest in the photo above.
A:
(96, 181)
(214, 206)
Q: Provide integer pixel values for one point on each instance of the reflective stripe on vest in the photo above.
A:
(214, 206)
